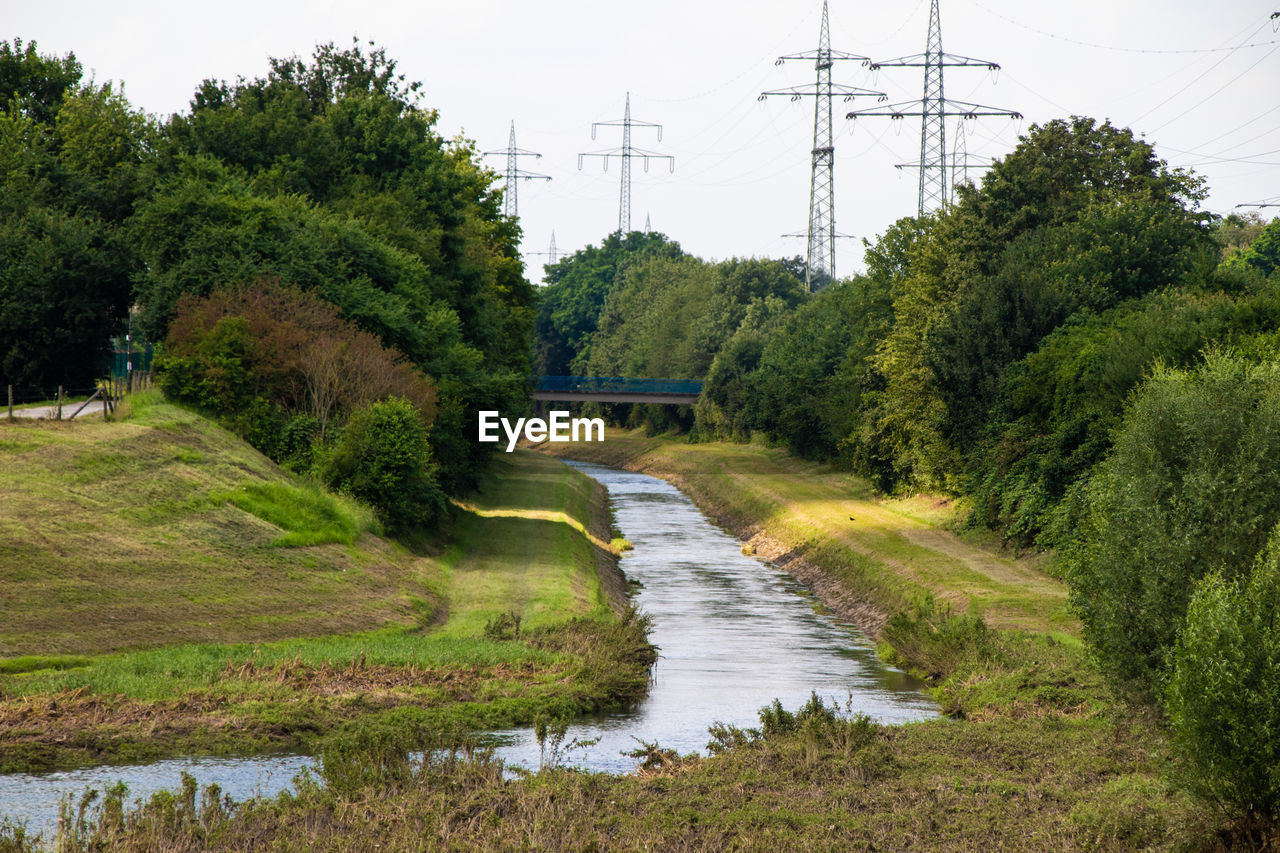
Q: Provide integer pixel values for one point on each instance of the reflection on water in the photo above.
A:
(33, 799)
(734, 634)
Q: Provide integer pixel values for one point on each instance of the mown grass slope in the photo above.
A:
(164, 588)
(163, 528)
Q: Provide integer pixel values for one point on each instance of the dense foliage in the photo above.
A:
(669, 317)
(326, 175)
(72, 167)
(382, 457)
(1191, 486)
(1223, 695)
(575, 291)
(280, 366)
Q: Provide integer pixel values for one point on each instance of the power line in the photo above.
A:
(626, 151)
(1110, 47)
(1215, 92)
(933, 109)
(820, 256)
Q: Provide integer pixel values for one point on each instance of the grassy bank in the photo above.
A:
(166, 589)
(868, 557)
(1036, 754)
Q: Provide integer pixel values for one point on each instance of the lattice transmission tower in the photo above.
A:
(933, 110)
(961, 161)
(820, 256)
(550, 254)
(510, 204)
(626, 151)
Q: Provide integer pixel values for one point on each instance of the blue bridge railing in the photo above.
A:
(618, 384)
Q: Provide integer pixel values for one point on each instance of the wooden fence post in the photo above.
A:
(59, 402)
(10, 402)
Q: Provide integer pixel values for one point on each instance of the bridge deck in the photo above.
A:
(614, 397)
(617, 389)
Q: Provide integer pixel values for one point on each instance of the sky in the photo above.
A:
(1200, 81)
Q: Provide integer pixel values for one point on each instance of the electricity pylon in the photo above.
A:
(820, 257)
(550, 254)
(515, 174)
(933, 109)
(626, 151)
(960, 160)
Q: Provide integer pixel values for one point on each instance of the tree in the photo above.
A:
(1263, 254)
(575, 292)
(382, 457)
(34, 85)
(329, 174)
(240, 349)
(1190, 487)
(1223, 695)
(72, 164)
(1049, 232)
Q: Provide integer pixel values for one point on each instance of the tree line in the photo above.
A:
(303, 246)
(1074, 349)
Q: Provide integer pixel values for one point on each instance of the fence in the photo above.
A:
(59, 402)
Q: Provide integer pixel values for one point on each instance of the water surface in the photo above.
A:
(733, 632)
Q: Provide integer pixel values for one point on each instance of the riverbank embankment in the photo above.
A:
(167, 590)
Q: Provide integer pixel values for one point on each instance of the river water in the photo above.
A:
(734, 634)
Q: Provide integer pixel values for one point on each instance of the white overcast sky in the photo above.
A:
(1182, 73)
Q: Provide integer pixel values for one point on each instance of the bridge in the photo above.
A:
(617, 389)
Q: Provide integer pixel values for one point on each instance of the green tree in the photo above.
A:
(1263, 253)
(1223, 695)
(34, 84)
(1191, 486)
(1050, 231)
(73, 161)
(1057, 408)
(328, 174)
(575, 292)
(383, 457)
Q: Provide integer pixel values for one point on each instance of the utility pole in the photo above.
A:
(510, 205)
(626, 152)
(820, 257)
(933, 109)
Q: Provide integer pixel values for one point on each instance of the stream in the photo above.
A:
(734, 633)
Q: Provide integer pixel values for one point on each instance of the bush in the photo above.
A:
(263, 355)
(1191, 486)
(1223, 695)
(382, 457)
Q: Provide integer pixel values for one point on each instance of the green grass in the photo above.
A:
(309, 514)
(160, 569)
(160, 527)
(35, 663)
(173, 672)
